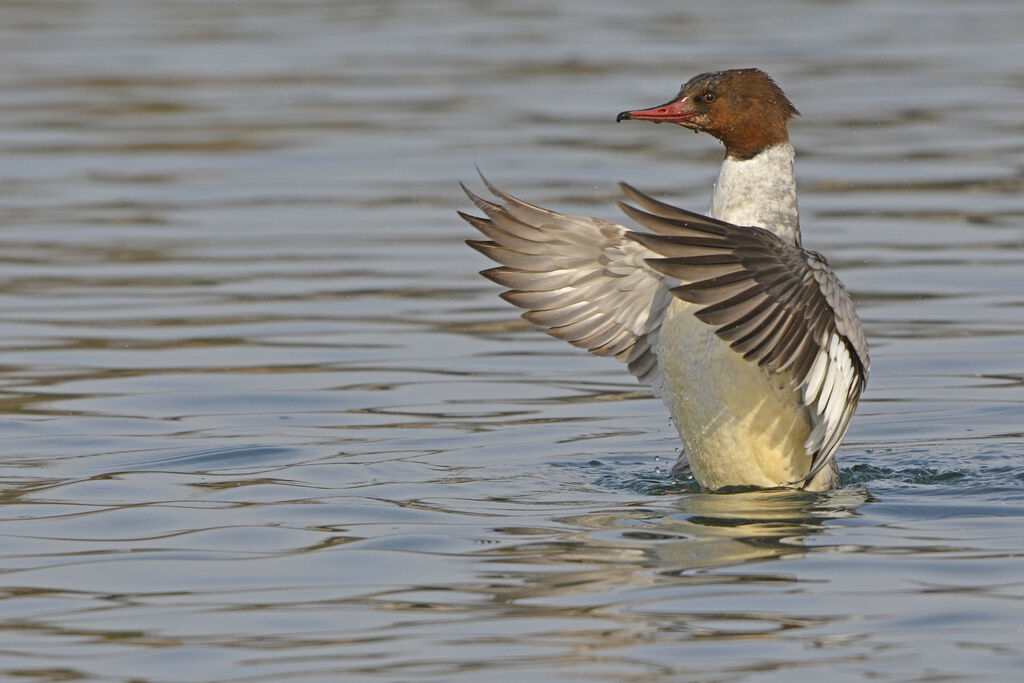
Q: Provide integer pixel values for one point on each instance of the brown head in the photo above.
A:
(743, 108)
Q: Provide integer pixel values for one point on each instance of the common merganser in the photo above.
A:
(751, 340)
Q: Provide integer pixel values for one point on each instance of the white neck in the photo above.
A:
(759, 191)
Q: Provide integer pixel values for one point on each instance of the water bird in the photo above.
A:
(751, 340)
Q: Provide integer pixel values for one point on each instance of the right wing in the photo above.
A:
(580, 278)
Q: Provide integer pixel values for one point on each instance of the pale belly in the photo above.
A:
(740, 426)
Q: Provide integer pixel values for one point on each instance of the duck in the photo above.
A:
(751, 340)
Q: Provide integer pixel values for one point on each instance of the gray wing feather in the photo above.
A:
(580, 278)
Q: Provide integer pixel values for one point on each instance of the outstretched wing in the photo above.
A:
(778, 305)
(580, 278)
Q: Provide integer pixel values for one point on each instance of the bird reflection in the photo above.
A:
(644, 545)
(655, 572)
(742, 527)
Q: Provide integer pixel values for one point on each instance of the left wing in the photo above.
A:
(778, 305)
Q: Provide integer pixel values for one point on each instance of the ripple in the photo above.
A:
(264, 421)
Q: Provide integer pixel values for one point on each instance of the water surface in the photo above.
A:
(263, 421)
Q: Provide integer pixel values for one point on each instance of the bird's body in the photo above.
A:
(750, 340)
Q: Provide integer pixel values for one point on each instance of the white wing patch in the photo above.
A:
(830, 392)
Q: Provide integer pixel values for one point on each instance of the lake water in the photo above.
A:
(263, 421)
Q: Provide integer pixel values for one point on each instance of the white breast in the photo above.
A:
(740, 426)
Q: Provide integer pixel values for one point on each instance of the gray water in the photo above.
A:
(263, 421)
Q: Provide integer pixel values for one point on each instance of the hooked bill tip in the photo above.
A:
(623, 115)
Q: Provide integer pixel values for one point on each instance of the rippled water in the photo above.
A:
(263, 421)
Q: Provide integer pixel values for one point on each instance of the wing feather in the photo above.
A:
(580, 278)
(776, 303)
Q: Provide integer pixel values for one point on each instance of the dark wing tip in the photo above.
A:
(487, 183)
(483, 246)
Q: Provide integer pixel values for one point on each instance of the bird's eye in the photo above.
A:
(709, 97)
